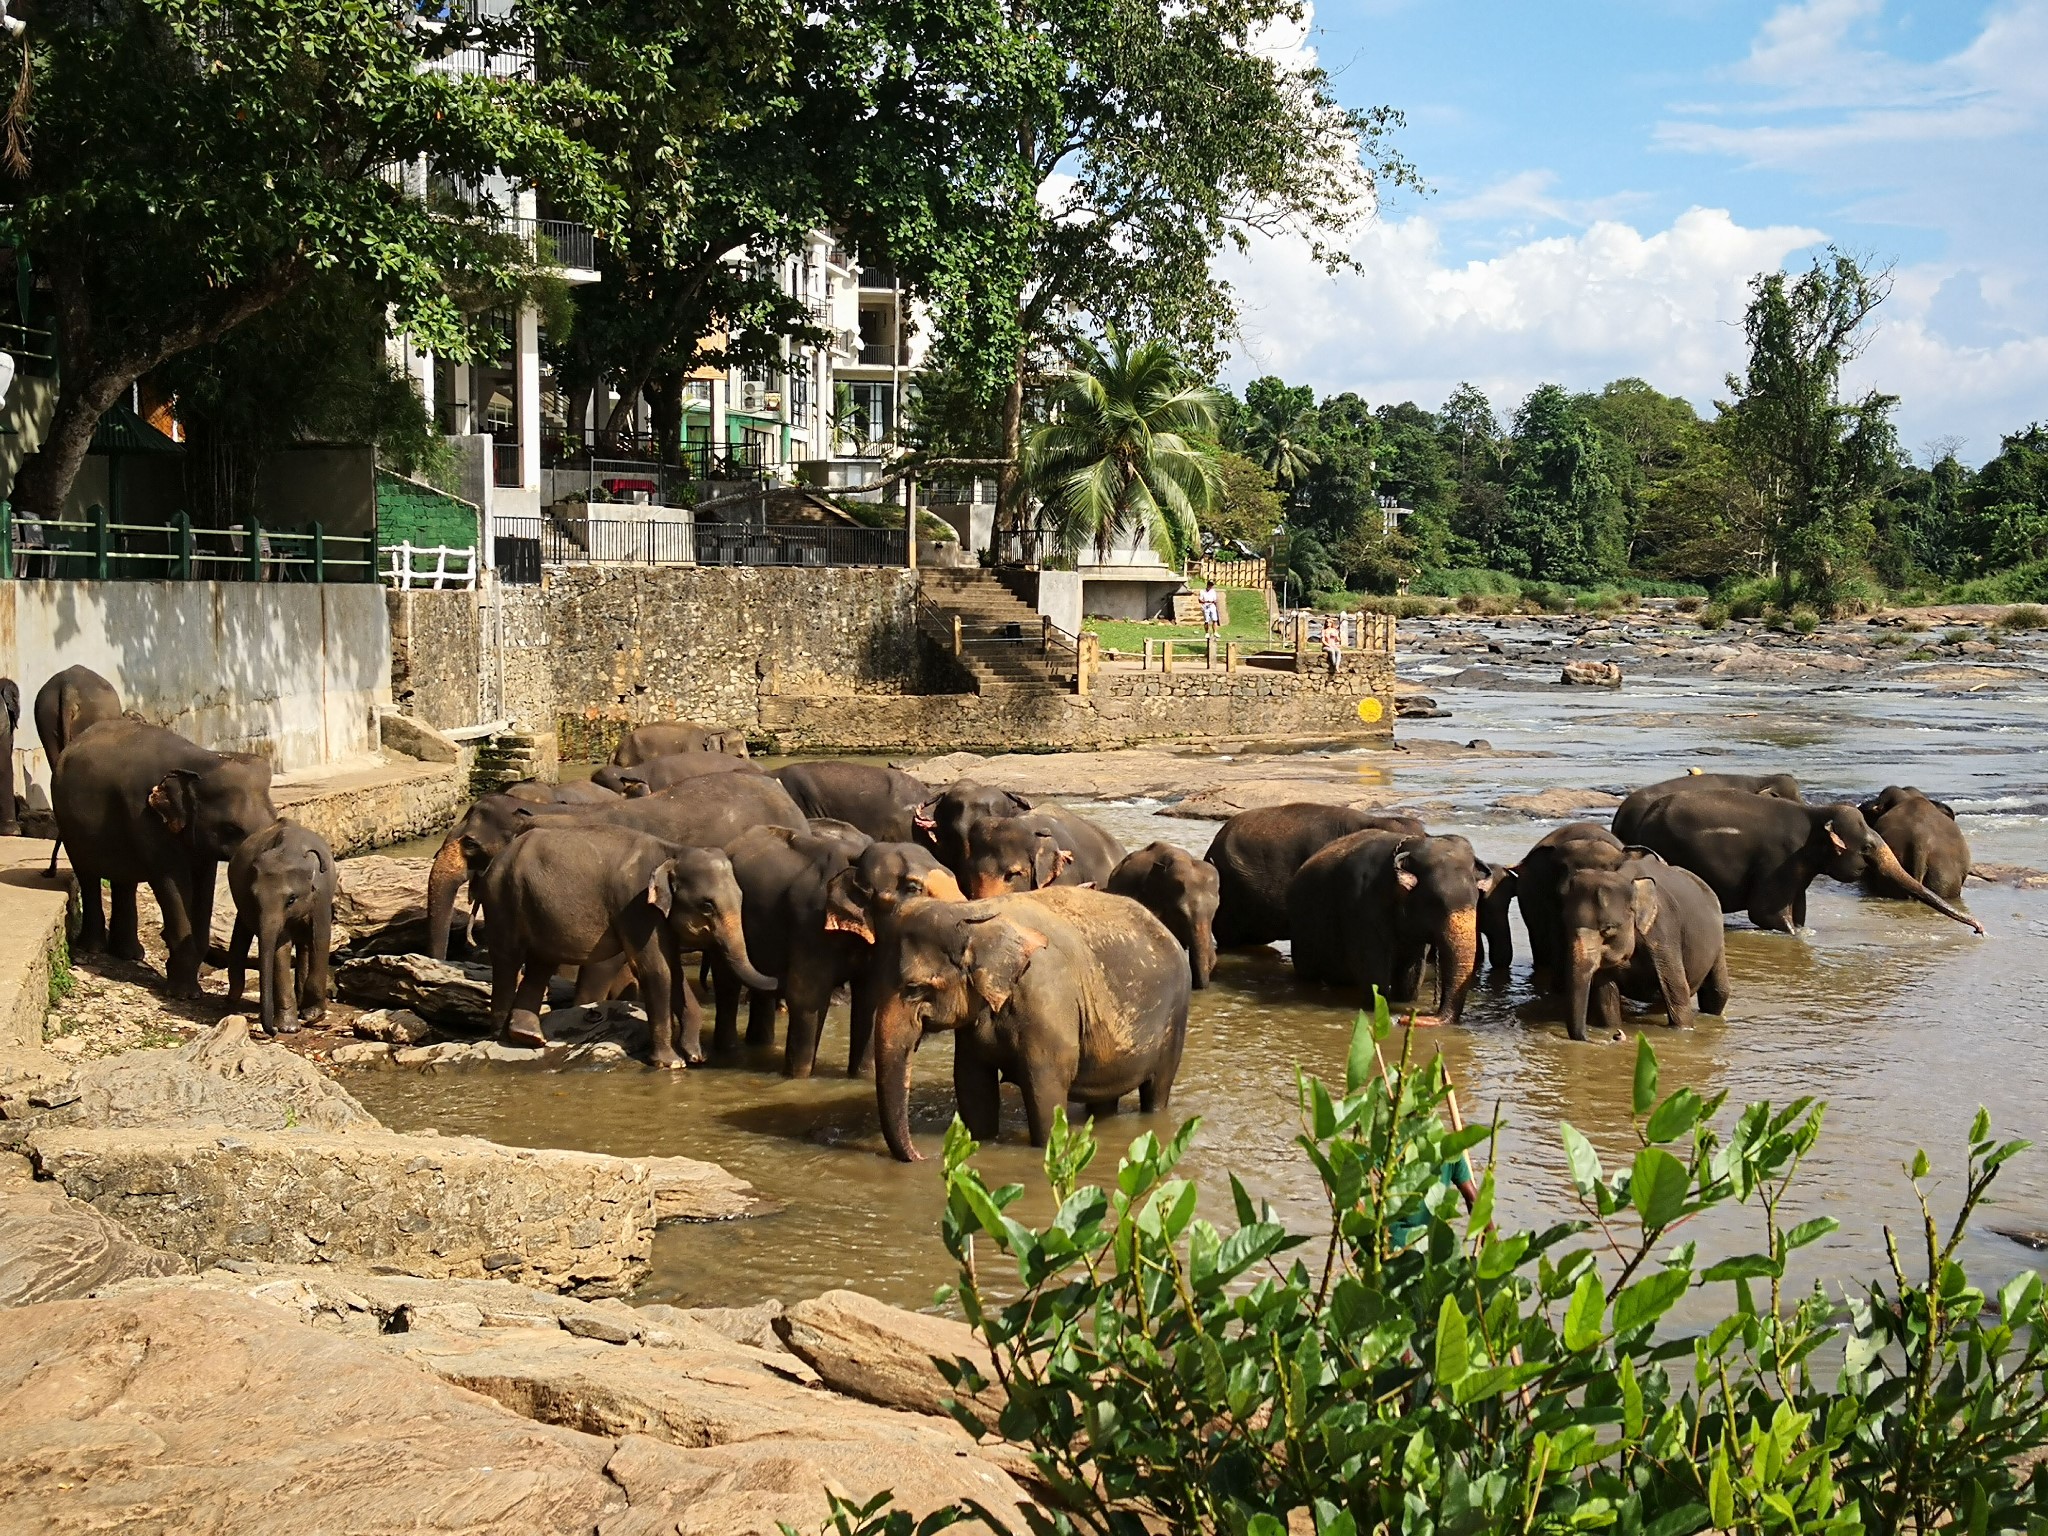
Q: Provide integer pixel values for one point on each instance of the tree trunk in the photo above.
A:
(665, 399)
(1010, 487)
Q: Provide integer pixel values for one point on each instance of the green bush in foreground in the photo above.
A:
(1414, 1369)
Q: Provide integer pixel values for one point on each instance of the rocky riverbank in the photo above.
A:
(235, 1302)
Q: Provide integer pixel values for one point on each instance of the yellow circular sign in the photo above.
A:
(1369, 711)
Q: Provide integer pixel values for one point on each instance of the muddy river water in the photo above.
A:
(1902, 1021)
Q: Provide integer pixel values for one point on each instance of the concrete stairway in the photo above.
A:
(1000, 632)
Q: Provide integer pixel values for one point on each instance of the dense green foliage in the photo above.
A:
(1413, 1367)
(1628, 486)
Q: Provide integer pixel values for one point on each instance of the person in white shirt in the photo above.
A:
(1212, 610)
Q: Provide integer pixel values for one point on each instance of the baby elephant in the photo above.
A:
(282, 879)
(1924, 834)
(1181, 891)
(1647, 929)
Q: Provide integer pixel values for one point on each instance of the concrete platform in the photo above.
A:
(359, 806)
(32, 914)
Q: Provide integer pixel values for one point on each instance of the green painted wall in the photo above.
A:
(408, 512)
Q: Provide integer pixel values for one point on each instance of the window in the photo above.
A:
(874, 403)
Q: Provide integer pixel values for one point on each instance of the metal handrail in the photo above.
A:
(252, 552)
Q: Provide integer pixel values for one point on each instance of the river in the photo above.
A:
(1902, 1021)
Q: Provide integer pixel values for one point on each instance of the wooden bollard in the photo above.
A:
(1209, 652)
(1230, 656)
(1166, 655)
(1147, 665)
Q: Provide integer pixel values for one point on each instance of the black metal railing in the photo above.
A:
(1027, 543)
(574, 474)
(525, 544)
(97, 548)
(814, 544)
(504, 463)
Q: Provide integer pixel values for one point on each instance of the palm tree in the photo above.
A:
(1278, 449)
(1123, 453)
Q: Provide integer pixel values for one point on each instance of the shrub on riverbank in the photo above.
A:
(1415, 1368)
(1478, 583)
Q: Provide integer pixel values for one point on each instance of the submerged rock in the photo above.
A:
(1591, 674)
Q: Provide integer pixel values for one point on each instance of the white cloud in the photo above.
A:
(1604, 303)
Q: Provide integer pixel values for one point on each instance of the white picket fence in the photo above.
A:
(421, 568)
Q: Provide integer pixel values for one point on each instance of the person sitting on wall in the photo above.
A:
(1333, 644)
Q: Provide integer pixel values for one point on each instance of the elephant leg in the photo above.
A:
(92, 915)
(522, 1023)
(1102, 1109)
(238, 957)
(684, 1009)
(282, 986)
(316, 983)
(1671, 983)
(124, 928)
(1607, 1000)
(651, 962)
(761, 1010)
(1155, 1094)
(860, 1053)
(1044, 1092)
(181, 967)
(808, 996)
(199, 908)
(726, 989)
(977, 1094)
(595, 979)
(1408, 973)
(1714, 990)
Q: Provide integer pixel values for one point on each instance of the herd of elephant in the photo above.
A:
(1061, 962)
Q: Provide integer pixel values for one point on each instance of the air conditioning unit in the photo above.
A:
(750, 397)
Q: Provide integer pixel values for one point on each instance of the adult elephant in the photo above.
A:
(1181, 891)
(1628, 816)
(881, 801)
(1369, 909)
(1923, 833)
(943, 822)
(570, 792)
(1067, 993)
(137, 803)
(643, 743)
(667, 771)
(1048, 846)
(1646, 930)
(1258, 853)
(66, 704)
(1539, 880)
(1759, 854)
(582, 896)
(715, 812)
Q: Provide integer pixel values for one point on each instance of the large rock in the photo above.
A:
(579, 1222)
(447, 993)
(1591, 674)
(55, 1249)
(221, 1416)
(883, 1354)
(381, 902)
(686, 1189)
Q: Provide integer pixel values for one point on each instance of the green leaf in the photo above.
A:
(1657, 1186)
(1748, 1266)
(1720, 1492)
(1810, 1231)
(1646, 1077)
(1649, 1299)
(1631, 1399)
(1360, 1063)
(1585, 1162)
(1918, 1167)
(1582, 1318)
(1453, 1345)
(1675, 1117)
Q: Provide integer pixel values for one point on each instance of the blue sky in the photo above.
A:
(1605, 176)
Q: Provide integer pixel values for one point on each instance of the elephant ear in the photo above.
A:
(1019, 801)
(925, 817)
(660, 895)
(10, 696)
(846, 905)
(1049, 861)
(1498, 880)
(998, 953)
(1403, 875)
(172, 798)
(1643, 903)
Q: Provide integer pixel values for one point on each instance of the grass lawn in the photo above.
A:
(1247, 626)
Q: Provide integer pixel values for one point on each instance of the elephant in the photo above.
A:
(1048, 846)
(10, 708)
(882, 802)
(581, 895)
(1257, 853)
(283, 882)
(1538, 885)
(1628, 816)
(1924, 835)
(1067, 992)
(1368, 909)
(1648, 930)
(135, 802)
(1181, 891)
(716, 811)
(1759, 854)
(666, 771)
(643, 743)
(569, 792)
(66, 704)
(943, 822)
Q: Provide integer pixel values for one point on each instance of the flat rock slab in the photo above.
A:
(883, 1354)
(224, 1417)
(53, 1248)
(578, 1222)
(1561, 802)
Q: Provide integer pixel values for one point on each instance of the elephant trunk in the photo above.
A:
(1457, 962)
(266, 974)
(1202, 956)
(896, 1034)
(1889, 866)
(449, 870)
(732, 947)
(1585, 959)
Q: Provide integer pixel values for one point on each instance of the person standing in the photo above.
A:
(1212, 609)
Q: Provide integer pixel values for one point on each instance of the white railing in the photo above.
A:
(420, 568)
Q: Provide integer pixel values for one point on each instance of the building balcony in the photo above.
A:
(878, 354)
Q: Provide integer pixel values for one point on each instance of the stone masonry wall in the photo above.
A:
(437, 656)
(593, 649)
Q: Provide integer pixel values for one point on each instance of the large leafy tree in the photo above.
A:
(1099, 154)
(1279, 426)
(1818, 460)
(1560, 517)
(2002, 516)
(1124, 453)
